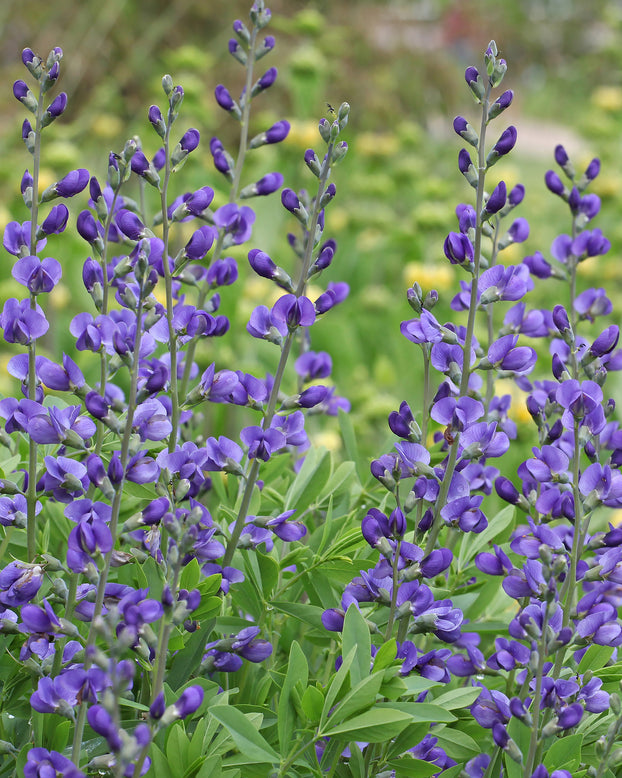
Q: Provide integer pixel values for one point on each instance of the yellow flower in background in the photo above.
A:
(518, 409)
(607, 98)
(328, 439)
(433, 276)
(376, 144)
(302, 134)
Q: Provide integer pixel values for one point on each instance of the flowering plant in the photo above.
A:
(177, 601)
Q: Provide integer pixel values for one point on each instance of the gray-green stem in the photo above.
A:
(233, 194)
(168, 283)
(468, 341)
(114, 523)
(251, 479)
(31, 494)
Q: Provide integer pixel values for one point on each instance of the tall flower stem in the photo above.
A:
(535, 726)
(168, 284)
(31, 493)
(233, 193)
(468, 340)
(114, 521)
(269, 414)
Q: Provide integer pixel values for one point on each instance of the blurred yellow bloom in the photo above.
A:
(328, 439)
(46, 178)
(376, 144)
(106, 126)
(433, 276)
(607, 98)
(518, 409)
(302, 134)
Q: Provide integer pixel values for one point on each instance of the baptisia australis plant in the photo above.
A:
(538, 694)
(169, 593)
(130, 527)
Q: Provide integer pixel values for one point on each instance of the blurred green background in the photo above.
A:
(400, 65)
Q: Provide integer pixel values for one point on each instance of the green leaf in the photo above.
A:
(310, 480)
(269, 568)
(186, 661)
(374, 726)
(297, 671)
(565, 752)
(177, 746)
(196, 748)
(407, 739)
(385, 656)
(458, 698)
(159, 763)
(407, 767)
(312, 703)
(342, 477)
(419, 711)
(415, 684)
(252, 745)
(356, 635)
(595, 658)
(457, 744)
(336, 684)
(349, 436)
(363, 695)
(521, 735)
(310, 615)
(190, 575)
(60, 736)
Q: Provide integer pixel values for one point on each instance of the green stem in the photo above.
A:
(535, 726)
(468, 341)
(233, 195)
(114, 522)
(31, 494)
(285, 351)
(168, 283)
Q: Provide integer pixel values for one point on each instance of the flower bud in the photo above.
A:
(157, 121)
(500, 104)
(503, 146)
(54, 109)
(24, 95)
(475, 83)
(465, 131)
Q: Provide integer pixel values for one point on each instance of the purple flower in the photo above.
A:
(504, 354)
(21, 323)
(236, 221)
(42, 763)
(190, 140)
(224, 99)
(72, 183)
(266, 81)
(55, 108)
(503, 146)
(129, 224)
(265, 186)
(19, 583)
(458, 249)
(189, 701)
(497, 199)
(16, 239)
(293, 312)
(37, 275)
(262, 443)
(200, 243)
(504, 283)
(64, 477)
(55, 222)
